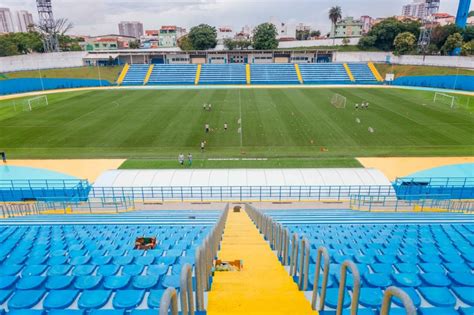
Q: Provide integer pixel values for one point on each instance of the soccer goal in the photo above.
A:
(446, 99)
(35, 102)
(338, 101)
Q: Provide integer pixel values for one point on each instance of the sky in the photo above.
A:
(96, 17)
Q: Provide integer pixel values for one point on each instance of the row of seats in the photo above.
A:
(362, 73)
(273, 74)
(78, 267)
(173, 74)
(136, 74)
(223, 74)
(432, 261)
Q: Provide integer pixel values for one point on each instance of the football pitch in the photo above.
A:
(273, 127)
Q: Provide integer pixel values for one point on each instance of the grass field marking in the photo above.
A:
(241, 124)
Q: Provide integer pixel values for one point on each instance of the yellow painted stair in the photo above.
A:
(349, 72)
(148, 74)
(123, 74)
(263, 286)
(298, 73)
(247, 73)
(375, 72)
(198, 74)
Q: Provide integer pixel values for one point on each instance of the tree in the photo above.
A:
(468, 33)
(230, 44)
(468, 48)
(335, 14)
(203, 37)
(386, 31)
(471, 13)
(454, 41)
(404, 43)
(315, 33)
(135, 44)
(184, 43)
(264, 37)
(243, 43)
(58, 28)
(302, 34)
(367, 42)
(345, 41)
(439, 34)
(20, 43)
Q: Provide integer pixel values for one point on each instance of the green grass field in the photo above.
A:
(406, 70)
(289, 127)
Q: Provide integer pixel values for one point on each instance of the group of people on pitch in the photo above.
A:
(363, 105)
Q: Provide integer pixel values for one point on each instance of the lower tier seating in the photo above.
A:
(223, 74)
(362, 73)
(324, 73)
(273, 74)
(173, 74)
(136, 74)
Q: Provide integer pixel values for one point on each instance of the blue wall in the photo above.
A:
(462, 82)
(13, 86)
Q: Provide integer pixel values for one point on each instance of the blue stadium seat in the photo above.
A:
(154, 298)
(10, 270)
(128, 299)
(30, 283)
(57, 260)
(145, 282)
(436, 279)
(117, 282)
(123, 260)
(108, 270)
(413, 295)
(59, 282)
(25, 312)
(466, 310)
(172, 281)
(223, 74)
(173, 74)
(465, 294)
(324, 73)
(136, 74)
(439, 297)
(7, 282)
(133, 270)
(87, 282)
(371, 297)
(60, 299)
(107, 312)
(407, 279)
(437, 311)
(378, 280)
(332, 298)
(4, 295)
(462, 278)
(273, 74)
(362, 73)
(23, 299)
(59, 270)
(33, 270)
(66, 312)
(93, 299)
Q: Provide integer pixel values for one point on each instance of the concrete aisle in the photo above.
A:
(263, 287)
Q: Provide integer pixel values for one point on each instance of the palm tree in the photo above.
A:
(335, 14)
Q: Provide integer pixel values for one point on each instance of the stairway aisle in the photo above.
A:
(263, 286)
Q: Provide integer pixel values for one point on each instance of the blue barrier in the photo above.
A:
(64, 190)
(13, 86)
(453, 82)
(443, 187)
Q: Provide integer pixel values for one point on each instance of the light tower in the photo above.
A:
(431, 7)
(47, 24)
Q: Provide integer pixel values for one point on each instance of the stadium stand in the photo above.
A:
(273, 74)
(136, 74)
(71, 264)
(23, 85)
(173, 74)
(362, 73)
(324, 73)
(429, 256)
(223, 74)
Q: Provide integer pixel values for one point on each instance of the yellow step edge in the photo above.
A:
(123, 74)
(375, 72)
(298, 73)
(349, 72)
(148, 74)
(247, 73)
(198, 74)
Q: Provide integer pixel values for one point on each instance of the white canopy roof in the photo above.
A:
(242, 177)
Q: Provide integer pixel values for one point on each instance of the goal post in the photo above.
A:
(36, 102)
(338, 101)
(444, 99)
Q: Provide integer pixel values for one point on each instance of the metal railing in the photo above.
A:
(411, 203)
(402, 295)
(15, 209)
(437, 181)
(186, 290)
(205, 255)
(355, 287)
(111, 204)
(455, 187)
(321, 253)
(169, 299)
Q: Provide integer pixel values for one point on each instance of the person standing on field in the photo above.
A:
(206, 128)
(202, 146)
(190, 159)
(181, 159)
(225, 126)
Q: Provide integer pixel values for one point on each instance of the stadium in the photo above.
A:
(222, 181)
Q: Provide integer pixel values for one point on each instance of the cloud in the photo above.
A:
(102, 16)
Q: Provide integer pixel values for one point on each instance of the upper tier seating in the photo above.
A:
(430, 256)
(223, 74)
(84, 266)
(362, 73)
(273, 74)
(173, 74)
(136, 74)
(324, 73)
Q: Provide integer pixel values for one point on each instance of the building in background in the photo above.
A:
(6, 21)
(107, 42)
(285, 32)
(443, 19)
(421, 9)
(169, 34)
(151, 39)
(367, 23)
(24, 21)
(131, 28)
(224, 32)
(347, 27)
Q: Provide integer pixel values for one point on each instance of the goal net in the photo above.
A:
(446, 99)
(35, 102)
(338, 101)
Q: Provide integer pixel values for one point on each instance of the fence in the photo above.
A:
(13, 86)
(461, 82)
(241, 193)
(441, 187)
(38, 189)
(411, 203)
